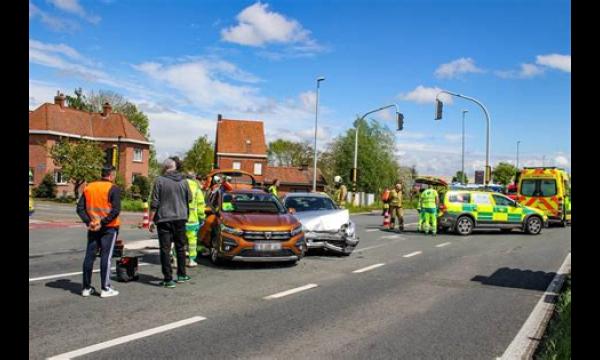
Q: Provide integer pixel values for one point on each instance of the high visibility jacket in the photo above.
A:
(427, 200)
(196, 204)
(97, 205)
(340, 195)
(396, 198)
(273, 190)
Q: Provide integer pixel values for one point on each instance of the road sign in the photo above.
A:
(479, 175)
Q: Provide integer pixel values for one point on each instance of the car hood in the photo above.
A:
(323, 220)
(260, 222)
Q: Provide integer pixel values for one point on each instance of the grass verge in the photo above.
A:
(132, 205)
(556, 343)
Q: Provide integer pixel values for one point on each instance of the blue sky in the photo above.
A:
(184, 62)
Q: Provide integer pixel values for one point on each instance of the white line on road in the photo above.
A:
(443, 244)
(370, 247)
(72, 274)
(523, 345)
(368, 268)
(413, 254)
(290, 292)
(371, 230)
(128, 338)
(390, 237)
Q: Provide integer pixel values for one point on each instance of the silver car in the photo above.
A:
(325, 225)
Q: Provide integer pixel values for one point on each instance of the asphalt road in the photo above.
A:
(424, 297)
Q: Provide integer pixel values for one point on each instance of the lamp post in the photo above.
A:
(463, 145)
(400, 119)
(518, 142)
(439, 105)
(319, 79)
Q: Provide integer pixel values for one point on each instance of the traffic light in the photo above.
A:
(400, 122)
(438, 109)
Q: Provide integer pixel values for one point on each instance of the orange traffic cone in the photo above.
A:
(146, 221)
(386, 219)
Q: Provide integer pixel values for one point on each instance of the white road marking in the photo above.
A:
(411, 224)
(523, 345)
(125, 339)
(141, 244)
(370, 247)
(371, 230)
(390, 237)
(73, 274)
(368, 268)
(290, 292)
(443, 244)
(413, 254)
(35, 221)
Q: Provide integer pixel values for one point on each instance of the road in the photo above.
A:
(413, 297)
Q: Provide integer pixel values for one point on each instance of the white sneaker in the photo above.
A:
(88, 292)
(108, 293)
(192, 263)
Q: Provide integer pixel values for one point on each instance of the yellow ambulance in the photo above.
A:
(547, 189)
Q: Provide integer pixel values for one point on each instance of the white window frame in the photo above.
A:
(62, 178)
(238, 167)
(258, 166)
(31, 180)
(137, 151)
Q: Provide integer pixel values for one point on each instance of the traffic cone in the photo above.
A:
(146, 221)
(386, 219)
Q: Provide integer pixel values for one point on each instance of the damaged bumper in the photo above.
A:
(337, 242)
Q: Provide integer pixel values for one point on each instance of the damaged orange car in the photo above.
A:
(251, 225)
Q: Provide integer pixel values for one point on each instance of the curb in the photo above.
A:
(527, 340)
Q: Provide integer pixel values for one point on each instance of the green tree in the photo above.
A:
(47, 188)
(120, 105)
(143, 186)
(79, 101)
(199, 158)
(460, 177)
(503, 173)
(290, 153)
(80, 161)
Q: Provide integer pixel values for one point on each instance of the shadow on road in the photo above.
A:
(67, 285)
(517, 278)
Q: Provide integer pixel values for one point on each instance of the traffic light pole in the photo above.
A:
(487, 141)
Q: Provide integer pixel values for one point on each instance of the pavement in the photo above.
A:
(406, 295)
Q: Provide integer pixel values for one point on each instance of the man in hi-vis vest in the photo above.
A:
(99, 209)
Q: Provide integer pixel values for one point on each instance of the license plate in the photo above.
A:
(267, 246)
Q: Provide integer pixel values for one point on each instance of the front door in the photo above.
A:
(484, 207)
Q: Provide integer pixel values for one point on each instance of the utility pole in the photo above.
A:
(518, 142)
(319, 79)
(463, 145)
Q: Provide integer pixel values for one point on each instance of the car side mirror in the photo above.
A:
(291, 211)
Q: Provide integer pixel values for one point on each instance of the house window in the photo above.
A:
(31, 176)
(59, 179)
(257, 168)
(137, 155)
(133, 176)
(237, 165)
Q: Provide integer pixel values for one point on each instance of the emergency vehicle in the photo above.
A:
(547, 189)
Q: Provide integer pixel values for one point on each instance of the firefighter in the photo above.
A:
(340, 192)
(195, 220)
(385, 197)
(396, 207)
(428, 205)
(274, 187)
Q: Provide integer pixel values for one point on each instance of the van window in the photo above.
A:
(461, 198)
(528, 187)
(547, 187)
(482, 199)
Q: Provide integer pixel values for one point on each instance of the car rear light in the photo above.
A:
(442, 207)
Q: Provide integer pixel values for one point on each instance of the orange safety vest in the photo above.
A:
(97, 205)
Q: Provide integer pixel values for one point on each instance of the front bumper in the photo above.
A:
(265, 259)
(337, 242)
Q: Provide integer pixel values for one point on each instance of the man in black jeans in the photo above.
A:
(168, 214)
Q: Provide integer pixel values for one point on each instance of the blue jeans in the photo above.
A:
(105, 240)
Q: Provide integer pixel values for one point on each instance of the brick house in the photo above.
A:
(50, 123)
(240, 144)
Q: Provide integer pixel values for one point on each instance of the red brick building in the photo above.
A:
(50, 123)
(240, 144)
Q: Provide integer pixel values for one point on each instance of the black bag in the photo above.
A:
(127, 269)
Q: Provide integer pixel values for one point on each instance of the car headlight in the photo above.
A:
(230, 230)
(348, 228)
(297, 230)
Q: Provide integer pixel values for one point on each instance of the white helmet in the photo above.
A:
(228, 178)
(337, 179)
(216, 179)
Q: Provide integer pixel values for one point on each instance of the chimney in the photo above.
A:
(59, 99)
(219, 117)
(106, 109)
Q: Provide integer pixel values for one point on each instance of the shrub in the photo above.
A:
(132, 205)
(47, 188)
(143, 186)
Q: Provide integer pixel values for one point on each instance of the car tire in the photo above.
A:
(214, 252)
(464, 225)
(533, 225)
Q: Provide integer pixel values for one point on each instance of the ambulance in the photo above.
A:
(547, 189)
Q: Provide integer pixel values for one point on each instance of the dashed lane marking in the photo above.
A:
(290, 292)
(368, 268)
(413, 254)
(72, 274)
(443, 244)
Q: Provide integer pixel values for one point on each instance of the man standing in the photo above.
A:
(341, 192)
(274, 187)
(169, 212)
(99, 209)
(396, 207)
(428, 203)
(195, 219)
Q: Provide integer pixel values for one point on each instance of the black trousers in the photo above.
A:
(172, 232)
(105, 240)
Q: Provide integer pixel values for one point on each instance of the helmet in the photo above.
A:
(217, 179)
(228, 178)
(337, 179)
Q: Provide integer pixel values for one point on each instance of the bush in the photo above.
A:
(47, 188)
(143, 185)
(132, 205)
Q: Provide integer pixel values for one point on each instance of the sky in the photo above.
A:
(183, 62)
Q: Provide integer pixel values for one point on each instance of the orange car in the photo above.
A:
(251, 225)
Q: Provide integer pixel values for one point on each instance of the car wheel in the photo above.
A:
(464, 225)
(214, 252)
(534, 225)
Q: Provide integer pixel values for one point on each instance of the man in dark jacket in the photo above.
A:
(168, 213)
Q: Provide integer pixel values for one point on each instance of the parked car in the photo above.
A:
(325, 225)
(465, 210)
(251, 225)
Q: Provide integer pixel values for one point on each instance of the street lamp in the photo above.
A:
(319, 79)
(438, 116)
(463, 145)
(400, 120)
(518, 142)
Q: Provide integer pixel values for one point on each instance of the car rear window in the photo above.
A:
(538, 187)
(309, 203)
(528, 187)
(548, 187)
(461, 198)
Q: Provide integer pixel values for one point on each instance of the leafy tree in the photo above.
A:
(199, 158)
(79, 101)
(503, 173)
(290, 153)
(80, 161)
(120, 105)
(143, 186)
(460, 178)
(47, 188)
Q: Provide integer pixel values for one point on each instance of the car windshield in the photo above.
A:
(528, 187)
(251, 202)
(309, 203)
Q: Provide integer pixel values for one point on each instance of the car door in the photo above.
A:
(484, 207)
(505, 210)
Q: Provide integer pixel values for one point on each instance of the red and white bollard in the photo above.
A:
(386, 219)
(146, 221)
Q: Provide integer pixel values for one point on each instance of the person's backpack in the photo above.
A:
(385, 196)
(127, 269)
